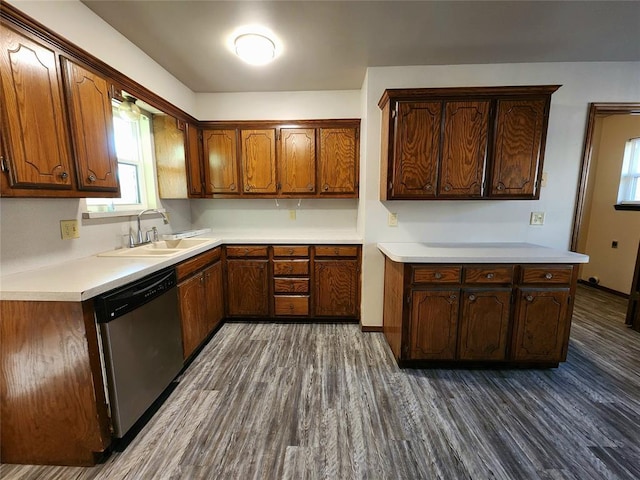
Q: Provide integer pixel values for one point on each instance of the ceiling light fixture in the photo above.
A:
(254, 48)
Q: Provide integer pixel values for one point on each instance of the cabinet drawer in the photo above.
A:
(291, 251)
(489, 274)
(291, 305)
(188, 267)
(437, 274)
(552, 274)
(247, 251)
(336, 251)
(291, 267)
(291, 285)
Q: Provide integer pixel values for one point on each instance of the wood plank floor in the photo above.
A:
(283, 401)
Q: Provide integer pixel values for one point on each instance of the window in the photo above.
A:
(629, 190)
(135, 171)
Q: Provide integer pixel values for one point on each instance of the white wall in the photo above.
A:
(487, 221)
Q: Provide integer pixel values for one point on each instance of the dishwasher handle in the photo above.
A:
(123, 300)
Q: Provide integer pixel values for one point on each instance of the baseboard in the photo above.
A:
(368, 328)
(604, 289)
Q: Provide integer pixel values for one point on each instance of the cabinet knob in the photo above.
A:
(337, 251)
(500, 187)
(548, 275)
(291, 251)
(447, 188)
(247, 188)
(232, 186)
(490, 275)
(91, 178)
(310, 187)
(246, 251)
(472, 297)
(64, 175)
(529, 298)
(325, 187)
(437, 275)
(453, 297)
(428, 186)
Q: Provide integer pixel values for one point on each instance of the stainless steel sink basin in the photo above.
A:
(164, 248)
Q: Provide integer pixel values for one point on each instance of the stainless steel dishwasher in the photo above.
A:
(142, 344)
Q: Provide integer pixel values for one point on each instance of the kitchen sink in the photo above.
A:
(163, 248)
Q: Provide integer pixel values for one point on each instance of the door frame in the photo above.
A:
(595, 109)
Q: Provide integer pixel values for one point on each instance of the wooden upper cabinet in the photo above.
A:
(258, 160)
(91, 122)
(520, 129)
(463, 143)
(34, 127)
(195, 176)
(169, 140)
(221, 161)
(297, 161)
(417, 149)
(338, 161)
(464, 148)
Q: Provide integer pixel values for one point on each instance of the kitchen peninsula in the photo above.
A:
(467, 304)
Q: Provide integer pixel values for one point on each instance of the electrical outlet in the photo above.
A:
(537, 218)
(292, 214)
(69, 229)
(393, 219)
(614, 244)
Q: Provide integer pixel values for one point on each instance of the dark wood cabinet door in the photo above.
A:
(434, 324)
(248, 287)
(541, 324)
(337, 288)
(519, 129)
(338, 161)
(484, 324)
(417, 149)
(34, 124)
(213, 296)
(297, 161)
(192, 313)
(195, 176)
(170, 145)
(464, 148)
(91, 123)
(220, 162)
(258, 160)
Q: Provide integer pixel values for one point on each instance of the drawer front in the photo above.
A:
(552, 274)
(188, 267)
(291, 285)
(291, 251)
(291, 267)
(291, 305)
(489, 274)
(437, 274)
(247, 251)
(336, 251)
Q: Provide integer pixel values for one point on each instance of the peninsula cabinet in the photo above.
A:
(466, 314)
(201, 297)
(463, 143)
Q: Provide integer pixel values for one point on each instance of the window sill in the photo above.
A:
(118, 213)
(627, 206)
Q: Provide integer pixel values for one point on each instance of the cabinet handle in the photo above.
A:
(91, 178)
(490, 276)
(3, 164)
(325, 187)
(529, 298)
(472, 297)
(64, 175)
(548, 276)
(437, 275)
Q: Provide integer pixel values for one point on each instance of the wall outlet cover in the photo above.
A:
(393, 219)
(537, 218)
(69, 229)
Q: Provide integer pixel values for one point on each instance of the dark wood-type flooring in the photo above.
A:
(327, 401)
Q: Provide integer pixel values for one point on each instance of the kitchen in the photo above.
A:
(36, 243)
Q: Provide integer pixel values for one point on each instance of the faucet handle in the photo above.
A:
(155, 234)
(148, 236)
(132, 243)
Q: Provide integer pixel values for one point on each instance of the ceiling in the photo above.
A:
(327, 45)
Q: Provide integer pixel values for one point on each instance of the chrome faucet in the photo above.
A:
(140, 239)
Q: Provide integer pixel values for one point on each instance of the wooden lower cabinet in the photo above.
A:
(201, 298)
(337, 287)
(478, 314)
(247, 287)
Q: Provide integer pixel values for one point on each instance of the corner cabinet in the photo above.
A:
(463, 143)
(465, 314)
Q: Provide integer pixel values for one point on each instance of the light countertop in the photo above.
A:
(477, 253)
(84, 278)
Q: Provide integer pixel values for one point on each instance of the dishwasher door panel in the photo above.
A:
(143, 354)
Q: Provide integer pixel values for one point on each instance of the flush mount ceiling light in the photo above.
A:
(254, 48)
(128, 109)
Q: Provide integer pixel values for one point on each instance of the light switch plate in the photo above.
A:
(537, 218)
(393, 219)
(69, 229)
